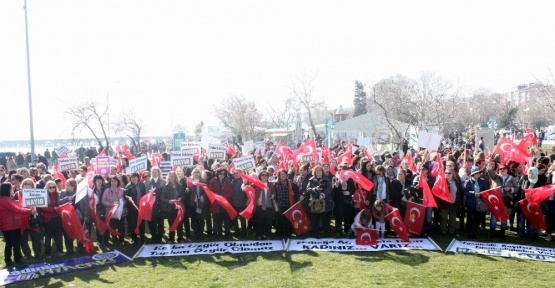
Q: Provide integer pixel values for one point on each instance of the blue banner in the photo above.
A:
(43, 270)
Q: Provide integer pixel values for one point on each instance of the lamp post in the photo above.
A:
(287, 129)
(331, 124)
(29, 87)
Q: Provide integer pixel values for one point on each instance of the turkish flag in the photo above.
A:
(441, 189)
(528, 140)
(180, 215)
(394, 219)
(494, 200)
(247, 213)
(306, 152)
(509, 151)
(231, 150)
(122, 148)
(253, 180)
(58, 175)
(119, 166)
(282, 151)
(368, 154)
(437, 166)
(100, 226)
(539, 194)
(346, 157)
(70, 221)
(219, 198)
(358, 178)
(87, 240)
(109, 214)
(367, 237)
(298, 218)
(156, 159)
(145, 209)
(414, 217)
(533, 213)
(429, 200)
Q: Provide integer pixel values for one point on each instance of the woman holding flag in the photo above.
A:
(113, 196)
(264, 211)
(172, 191)
(196, 204)
(287, 193)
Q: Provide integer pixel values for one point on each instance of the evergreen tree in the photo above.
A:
(360, 99)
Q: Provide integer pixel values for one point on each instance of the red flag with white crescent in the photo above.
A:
(109, 214)
(298, 218)
(145, 209)
(428, 200)
(395, 222)
(255, 181)
(100, 226)
(441, 188)
(346, 157)
(358, 178)
(156, 159)
(533, 213)
(87, 240)
(247, 213)
(509, 151)
(306, 152)
(180, 215)
(494, 200)
(367, 237)
(539, 194)
(414, 217)
(70, 221)
(216, 197)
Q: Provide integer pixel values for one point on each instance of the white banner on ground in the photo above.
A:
(166, 250)
(342, 245)
(503, 250)
(137, 164)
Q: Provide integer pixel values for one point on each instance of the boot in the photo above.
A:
(502, 235)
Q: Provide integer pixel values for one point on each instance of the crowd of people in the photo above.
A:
(340, 200)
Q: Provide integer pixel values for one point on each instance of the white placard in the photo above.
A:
(244, 163)
(429, 141)
(113, 162)
(68, 164)
(34, 198)
(181, 159)
(344, 245)
(82, 189)
(207, 140)
(319, 151)
(503, 250)
(247, 147)
(364, 141)
(216, 151)
(221, 247)
(61, 151)
(192, 146)
(137, 164)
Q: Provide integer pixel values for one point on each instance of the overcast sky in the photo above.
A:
(173, 60)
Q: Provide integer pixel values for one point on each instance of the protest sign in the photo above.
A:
(44, 270)
(345, 245)
(34, 197)
(182, 159)
(68, 164)
(429, 141)
(207, 140)
(61, 151)
(364, 142)
(216, 151)
(192, 146)
(502, 250)
(166, 250)
(103, 165)
(247, 147)
(137, 164)
(244, 163)
(82, 190)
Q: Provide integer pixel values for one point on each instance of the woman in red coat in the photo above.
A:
(221, 185)
(10, 224)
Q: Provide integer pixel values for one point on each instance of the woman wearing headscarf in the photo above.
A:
(532, 179)
(10, 224)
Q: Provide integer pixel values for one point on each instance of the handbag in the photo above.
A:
(317, 206)
(481, 206)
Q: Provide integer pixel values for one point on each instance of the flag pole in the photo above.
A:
(31, 130)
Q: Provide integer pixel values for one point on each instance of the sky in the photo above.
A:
(172, 61)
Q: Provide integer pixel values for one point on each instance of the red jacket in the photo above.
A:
(47, 214)
(10, 214)
(226, 190)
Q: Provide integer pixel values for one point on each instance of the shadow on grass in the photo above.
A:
(403, 257)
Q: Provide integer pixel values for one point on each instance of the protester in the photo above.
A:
(287, 193)
(133, 193)
(319, 193)
(113, 196)
(264, 211)
(51, 221)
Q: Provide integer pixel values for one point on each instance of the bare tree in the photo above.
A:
(281, 116)
(91, 116)
(303, 90)
(546, 91)
(240, 116)
(131, 126)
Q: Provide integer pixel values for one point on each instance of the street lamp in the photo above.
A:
(287, 128)
(331, 124)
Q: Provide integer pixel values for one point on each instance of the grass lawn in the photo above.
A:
(319, 269)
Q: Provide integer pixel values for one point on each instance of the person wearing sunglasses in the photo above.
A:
(51, 221)
(10, 213)
(509, 187)
(448, 211)
(221, 185)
